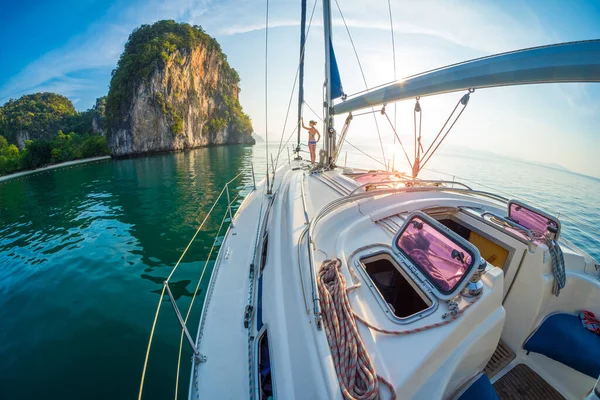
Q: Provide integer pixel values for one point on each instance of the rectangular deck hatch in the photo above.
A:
(438, 255)
(403, 296)
(538, 222)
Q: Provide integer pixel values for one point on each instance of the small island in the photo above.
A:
(172, 89)
(40, 129)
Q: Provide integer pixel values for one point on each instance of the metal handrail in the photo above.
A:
(405, 181)
(198, 357)
(511, 224)
(357, 196)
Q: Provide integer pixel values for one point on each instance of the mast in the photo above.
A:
(328, 132)
(301, 74)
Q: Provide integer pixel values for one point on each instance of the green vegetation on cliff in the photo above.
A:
(39, 153)
(149, 48)
(44, 116)
(39, 114)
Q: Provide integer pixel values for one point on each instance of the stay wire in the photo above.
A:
(442, 129)
(399, 141)
(444, 137)
(362, 72)
(366, 154)
(366, 113)
(313, 111)
(267, 93)
(294, 87)
(395, 77)
(286, 143)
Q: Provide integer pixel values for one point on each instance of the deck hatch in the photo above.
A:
(541, 224)
(442, 257)
(400, 292)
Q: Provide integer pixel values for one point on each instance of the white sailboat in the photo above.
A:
(339, 283)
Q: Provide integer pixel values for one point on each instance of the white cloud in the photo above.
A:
(98, 47)
(428, 34)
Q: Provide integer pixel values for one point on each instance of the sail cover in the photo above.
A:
(336, 82)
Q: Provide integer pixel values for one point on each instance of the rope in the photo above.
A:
(225, 214)
(355, 370)
(558, 266)
(162, 293)
(150, 339)
(364, 80)
(451, 317)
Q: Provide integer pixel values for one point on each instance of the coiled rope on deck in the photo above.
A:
(355, 370)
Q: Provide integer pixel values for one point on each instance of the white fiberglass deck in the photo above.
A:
(435, 363)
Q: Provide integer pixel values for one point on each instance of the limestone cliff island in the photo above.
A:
(173, 89)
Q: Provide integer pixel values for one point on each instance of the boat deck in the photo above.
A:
(275, 272)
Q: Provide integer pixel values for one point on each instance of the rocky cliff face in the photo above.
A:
(190, 100)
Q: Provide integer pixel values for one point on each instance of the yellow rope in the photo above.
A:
(196, 291)
(169, 277)
(150, 343)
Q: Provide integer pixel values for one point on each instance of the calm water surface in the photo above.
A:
(84, 252)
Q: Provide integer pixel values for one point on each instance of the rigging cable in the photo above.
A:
(443, 126)
(266, 95)
(418, 146)
(293, 87)
(395, 77)
(397, 137)
(464, 100)
(364, 79)
(314, 112)
(366, 154)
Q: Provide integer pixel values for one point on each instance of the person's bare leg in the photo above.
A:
(312, 153)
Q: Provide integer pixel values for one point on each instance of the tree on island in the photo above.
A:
(36, 123)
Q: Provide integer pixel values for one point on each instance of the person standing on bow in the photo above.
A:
(312, 141)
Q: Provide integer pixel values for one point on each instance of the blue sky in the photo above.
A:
(71, 46)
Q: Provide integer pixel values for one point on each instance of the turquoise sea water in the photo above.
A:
(84, 251)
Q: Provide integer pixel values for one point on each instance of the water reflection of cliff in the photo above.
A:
(165, 197)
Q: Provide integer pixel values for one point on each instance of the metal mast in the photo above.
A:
(301, 75)
(329, 132)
